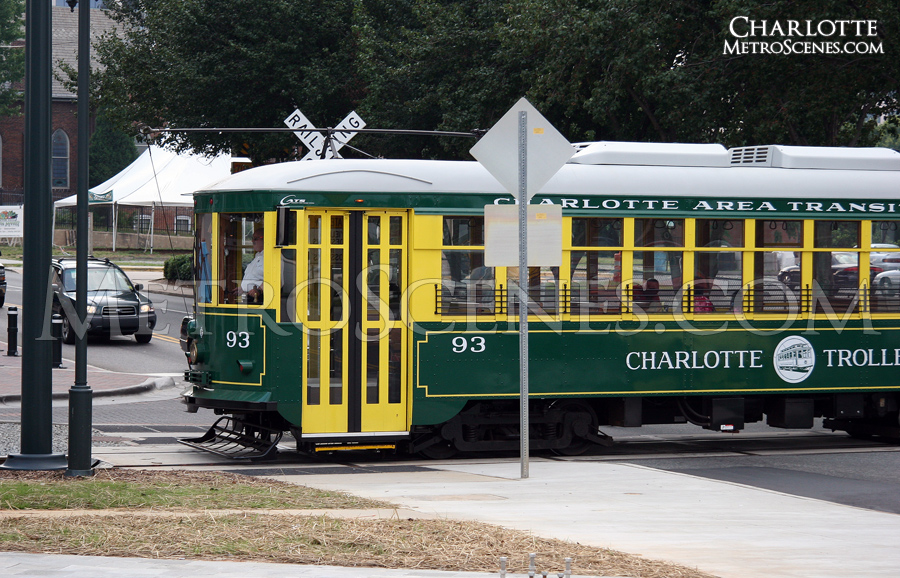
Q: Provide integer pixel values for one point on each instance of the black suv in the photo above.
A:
(114, 305)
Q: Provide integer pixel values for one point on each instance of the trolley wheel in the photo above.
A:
(440, 451)
(579, 444)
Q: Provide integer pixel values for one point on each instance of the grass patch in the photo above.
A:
(120, 257)
(158, 489)
(159, 514)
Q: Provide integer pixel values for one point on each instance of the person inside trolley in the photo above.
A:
(251, 284)
(647, 298)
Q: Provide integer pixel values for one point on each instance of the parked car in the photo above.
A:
(115, 306)
(888, 283)
(886, 261)
(844, 271)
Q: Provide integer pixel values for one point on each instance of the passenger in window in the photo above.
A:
(251, 284)
(647, 298)
(702, 303)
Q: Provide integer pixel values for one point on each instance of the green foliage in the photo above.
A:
(889, 133)
(12, 60)
(179, 268)
(227, 63)
(642, 70)
(434, 65)
(657, 70)
(111, 151)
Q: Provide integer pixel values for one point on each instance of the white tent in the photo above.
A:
(156, 178)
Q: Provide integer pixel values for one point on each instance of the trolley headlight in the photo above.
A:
(193, 353)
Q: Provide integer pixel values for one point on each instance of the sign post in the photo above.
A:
(524, 414)
(523, 151)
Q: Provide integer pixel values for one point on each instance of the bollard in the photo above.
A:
(12, 332)
(56, 333)
(531, 565)
(502, 566)
(568, 567)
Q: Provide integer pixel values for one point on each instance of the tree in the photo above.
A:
(642, 70)
(435, 65)
(227, 63)
(889, 133)
(12, 58)
(111, 151)
(658, 70)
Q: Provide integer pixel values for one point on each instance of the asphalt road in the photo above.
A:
(162, 356)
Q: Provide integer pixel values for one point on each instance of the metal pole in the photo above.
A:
(80, 394)
(37, 374)
(56, 332)
(523, 294)
(12, 332)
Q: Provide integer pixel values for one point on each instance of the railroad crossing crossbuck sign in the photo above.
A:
(315, 140)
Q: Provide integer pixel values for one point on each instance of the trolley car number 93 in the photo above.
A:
(238, 339)
(461, 344)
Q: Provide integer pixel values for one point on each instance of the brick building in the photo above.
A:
(64, 108)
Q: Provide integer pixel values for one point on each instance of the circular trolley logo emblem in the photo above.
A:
(794, 359)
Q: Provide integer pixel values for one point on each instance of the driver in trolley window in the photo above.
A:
(251, 284)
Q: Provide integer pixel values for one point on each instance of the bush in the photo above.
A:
(179, 267)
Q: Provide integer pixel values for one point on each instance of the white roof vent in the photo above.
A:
(652, 154)
(752, 156)
(835, 158)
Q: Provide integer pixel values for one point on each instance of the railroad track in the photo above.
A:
(156, 446)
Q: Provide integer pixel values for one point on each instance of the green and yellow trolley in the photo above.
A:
(698, 284)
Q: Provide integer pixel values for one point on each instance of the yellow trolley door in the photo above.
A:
(354, 386)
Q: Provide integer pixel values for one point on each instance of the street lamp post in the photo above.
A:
(37, 376)
(80, 394)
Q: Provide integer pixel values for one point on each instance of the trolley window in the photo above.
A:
(778, 274)
(467, 286)
(595, 274)
(718, 264)
(657, 274)
(203, 257)
(240, 257)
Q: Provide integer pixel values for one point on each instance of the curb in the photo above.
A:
(150, 384)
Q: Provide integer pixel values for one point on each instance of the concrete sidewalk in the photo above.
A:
(103, 383)
(49, 565)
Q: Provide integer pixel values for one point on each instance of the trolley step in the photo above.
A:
(235, 439)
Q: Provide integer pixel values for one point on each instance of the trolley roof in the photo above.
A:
(612, 169)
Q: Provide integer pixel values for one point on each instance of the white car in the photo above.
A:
(887, 261)
(888, 283)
